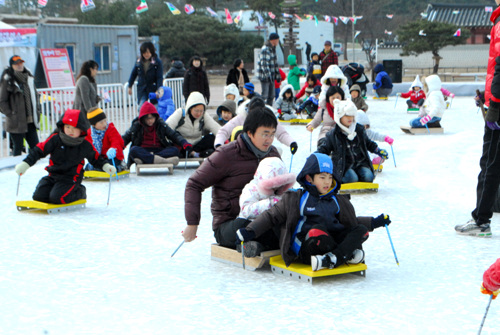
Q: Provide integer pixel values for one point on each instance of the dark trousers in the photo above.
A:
(147, 154)
(225, 235)
(17, 140)
(204, 146)
(55, 190)
(489, 177)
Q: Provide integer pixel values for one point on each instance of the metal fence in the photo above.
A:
(120, 107)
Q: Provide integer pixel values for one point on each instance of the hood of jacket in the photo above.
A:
(355, 87)
(318, 163)
(345, 107)
(178, 65)
(75, 118)
(148, 108)
(230, 105)
(417, 83)
(433, 83)
(232, 89)
(334, 71)
(378, 68)
(272, 177)
(362, 118)
(292, 60)
(165, 93)
(195, 98)
(243, 108)
(284, 89)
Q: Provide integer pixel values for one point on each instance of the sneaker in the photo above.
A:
(471, 228)
(252, 248)
(326, 261)
(358, 256)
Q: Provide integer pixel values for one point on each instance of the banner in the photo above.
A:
(25, 37)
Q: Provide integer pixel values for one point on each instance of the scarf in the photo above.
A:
(241, 79)
(260, 154)
(97, 137)
(329, 108)
(22, 78)
(71, 141)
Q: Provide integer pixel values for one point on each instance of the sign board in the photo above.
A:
(18, 37)
(57, 68)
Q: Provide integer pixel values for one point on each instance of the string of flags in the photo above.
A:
(85, 6)
(41, 3)
(141, 8)
(188, 9)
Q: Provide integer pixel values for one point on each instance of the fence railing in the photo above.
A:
(120, 107)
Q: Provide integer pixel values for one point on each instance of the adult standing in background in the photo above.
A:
(268, 70)
(148, 70)
(177, 70)
(86, 96)
(20, 104)
(238, 75)
(328, 57)
(196, 79)
(308, 52)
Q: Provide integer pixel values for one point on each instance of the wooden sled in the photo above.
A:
(358, 187)
(32, 205)
(233, 257)
(412, 110)
(139, 167)
(296, 121)
(183, 161)
(303, 272)
(380, 98)
(420, 131)
(101, 175)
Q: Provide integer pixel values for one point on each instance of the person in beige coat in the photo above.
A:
(196, 127)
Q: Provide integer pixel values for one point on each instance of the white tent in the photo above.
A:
(20, 42)
(4, 25)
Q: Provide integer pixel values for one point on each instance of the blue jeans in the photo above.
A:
(358, 174)
(268, 91)
(415, 123)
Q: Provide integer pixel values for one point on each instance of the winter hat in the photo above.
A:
(345, 107)
(228, 105)
(75, 118)
(250, 87)
(417, 83)
(328, 43)
(316, 90)
(355, 87)
(272, 177)
(314, 54)
(362, 118)
(95, 115)
(232, 89)
(274, 36)
(15, 60)
(148, 108)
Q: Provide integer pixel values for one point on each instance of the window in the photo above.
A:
(102, 57)
(70, 47)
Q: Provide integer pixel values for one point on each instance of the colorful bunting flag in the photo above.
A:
(488, 9)
(457, 33)
(357, 33)
(41, 3)
(315, 20)
(238, 18)
(286, 15)
(298, 17)
(271, 15)
(261, 19)
(229, 19)
(141, 8)
(344, 19)
(421, 33)
(188, 9)
(211, 11)
(335, 20)
(389, 16)
(327, 18)
(87, 5)
(388, 32)
(308, 16)
(172, 8)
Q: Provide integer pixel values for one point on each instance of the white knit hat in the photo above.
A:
(417, 83)
(345, 107)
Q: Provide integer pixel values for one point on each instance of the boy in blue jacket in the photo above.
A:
(317, 225)
(383, 83)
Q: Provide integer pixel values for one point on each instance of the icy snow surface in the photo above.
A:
(108, 270)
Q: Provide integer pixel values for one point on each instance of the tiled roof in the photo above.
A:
(462, 15)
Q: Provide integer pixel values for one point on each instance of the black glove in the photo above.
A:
(244, 235)
(382, 153)
(381, 221)
(217, 145)
(293, 148)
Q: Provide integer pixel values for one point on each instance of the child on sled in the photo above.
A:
(285, 105)
(310, 106)
(434, 106)
(416, 94)
(317, 225)
(68, 146)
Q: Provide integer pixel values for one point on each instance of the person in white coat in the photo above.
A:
(333, 77)
(434, 106)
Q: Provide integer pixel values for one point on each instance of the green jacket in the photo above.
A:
(295, 73)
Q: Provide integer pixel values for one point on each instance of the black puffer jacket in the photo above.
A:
(233, 76)
(196, 80)
(176, 71)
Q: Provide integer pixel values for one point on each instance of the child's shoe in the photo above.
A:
(471, 228)
(358, 256)
(138, 161)
(161, 160)
(326, 261)
(252, 248)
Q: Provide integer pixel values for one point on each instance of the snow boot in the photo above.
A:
(161, 160)
(358, 256)
(138, 161)
(471, 228)
(252, 248)
(326, 261)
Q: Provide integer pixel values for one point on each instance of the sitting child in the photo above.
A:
(326, 116)
(310, 106)
(434, 106)
(382, 86)
(363, 120)
(334, 77)
(348, 145)
(358, 100)
(285, 105)
(231, 92)
(307, 89)
(225, 112)
(314, 67)
(249, 91)
(151, 139)
(317, 225)
(105, 138)
(416, 94)
(166, 106)
(68, 146)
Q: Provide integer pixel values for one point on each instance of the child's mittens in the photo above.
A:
(111, 153)
(389, 140)
(488, 292)
(244, 235)
(279, 111)
(398, 94)
(21, 168)
(425, 119)
(152, 96)
(381, 221)
(110, 169)
(188, 147)
(293, 148)
(452, 95)
(382, 153)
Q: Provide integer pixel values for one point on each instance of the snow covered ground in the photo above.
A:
(108, 270)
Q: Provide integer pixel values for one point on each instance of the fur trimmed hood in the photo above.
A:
(272, 177)
(345, 107)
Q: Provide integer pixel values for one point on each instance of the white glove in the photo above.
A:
(110, 169)
(21, 168)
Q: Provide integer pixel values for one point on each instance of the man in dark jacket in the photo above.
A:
(228, 170)
(177, 70)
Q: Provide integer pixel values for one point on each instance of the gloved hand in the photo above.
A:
(398, 94)
(217, 145)
(111, 153)
(493, 125)
(488, 292)
(303, 70)
(389, 140)
(21, 168)
(382, 153)
(381, 221)
(244, 235)
(110, 169)
(279, 112)
(425, 119)
(152, 96)
(188, 147)
(452, 95)
(293, 148)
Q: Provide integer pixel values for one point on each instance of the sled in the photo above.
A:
(32, 205)
(233, 257)
(303, 272)
(380, 98)
(412, 110)
(358, 187)
(101, 175)
(296, 121)
(139, 167)
(419, 131)
(183, 161)
(378, 167)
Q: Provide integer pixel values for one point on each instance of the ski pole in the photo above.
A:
(392, 245)
(393, 157)
(451, 102)
(186, 161)
(397, 96)
(485, 313)
(113, 160)
(180, 245)
(428, 131)
(291, 160)
(18, 183)
(243, 254)
(310, 143)
(109, 190)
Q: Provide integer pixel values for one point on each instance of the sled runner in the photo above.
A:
(32, 205)
(233, 257)
(412, 110)
(183, 161)
(303, 272)
(418, 131)
(139, 167)
(296, 121)
(358, 187)
(101, 175)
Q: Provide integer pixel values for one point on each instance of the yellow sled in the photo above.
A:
(101, 175)
(378, 167)
(233, 257)
(32, 205)
(296, 121)
(304, 272)
(358, 187)
(380, 98)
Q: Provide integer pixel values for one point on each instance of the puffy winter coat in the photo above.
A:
(333, 72)
(359, 101)
(382, 80)
(363, 120)
(227, 170)
(269, 183)
(193, 131)
(195, 80)
(294, 73)
(234, 74)
(112, 139)
(434, 105)
(324, 115)
(286, 106)
(85, 94)
(166, 105)
(229, 105)
(176, 71)
(492, 89)
(150, 81)
(12, 103)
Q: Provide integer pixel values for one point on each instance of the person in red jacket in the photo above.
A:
(311, 83)
(106, 139)
(489, 177)
(277, 84)
(416, 94)
(491, 280)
